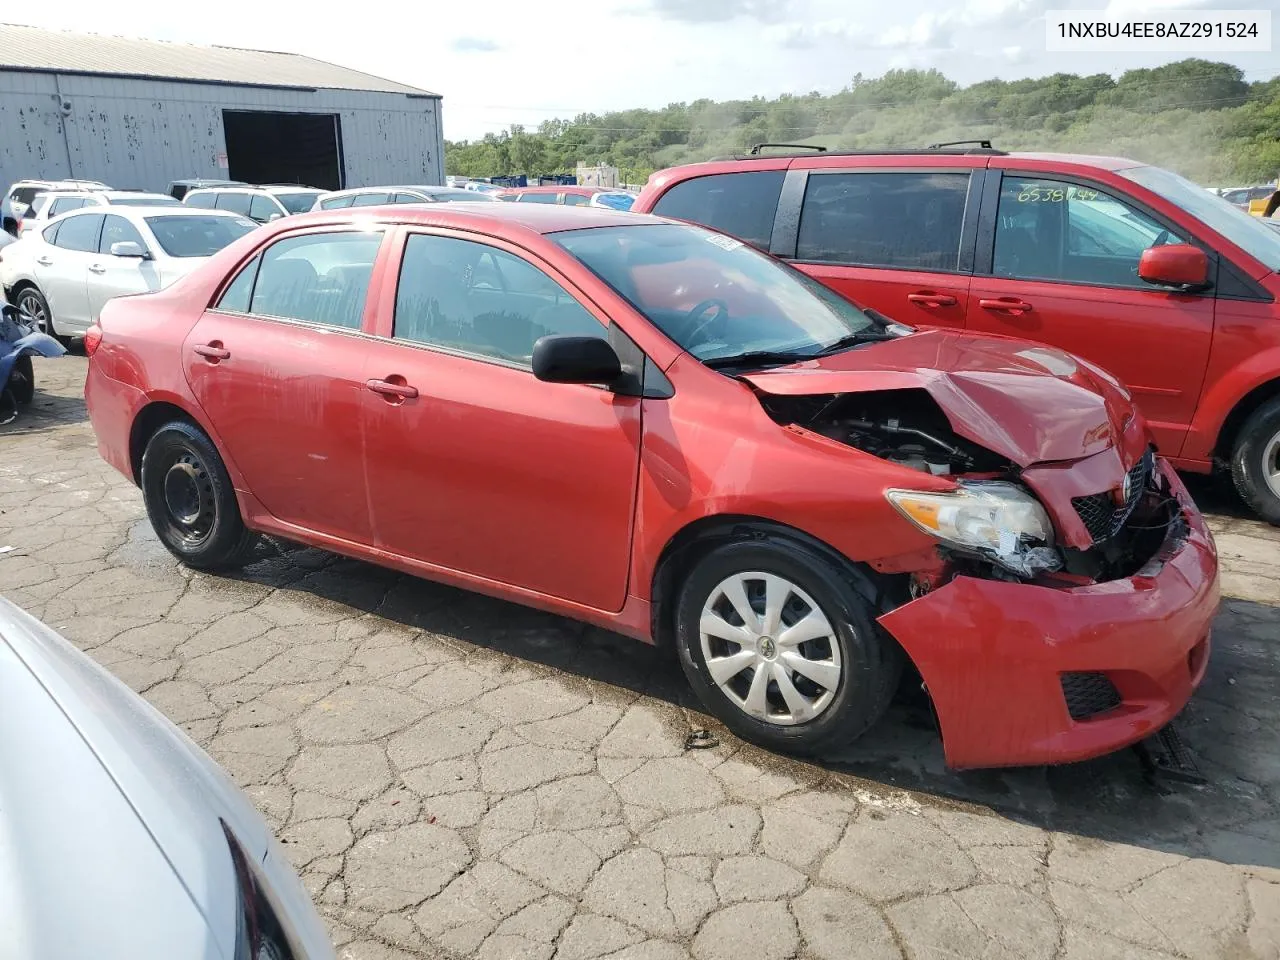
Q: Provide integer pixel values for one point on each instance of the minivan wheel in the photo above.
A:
(782, 646)
(190, 500)
(1255, 461)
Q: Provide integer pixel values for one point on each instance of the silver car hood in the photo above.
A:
(111, 837)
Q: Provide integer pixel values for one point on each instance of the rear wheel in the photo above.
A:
(782, 646)
(1255, 461)
(34, 309)
(190, 500)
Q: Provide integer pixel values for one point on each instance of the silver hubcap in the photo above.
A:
(770, 648)
(33, 313)
(1271, 464)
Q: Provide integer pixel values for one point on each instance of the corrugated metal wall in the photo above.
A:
(145, 133)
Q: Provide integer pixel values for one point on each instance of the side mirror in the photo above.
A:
(563, 359)
(129, 248)
(274, 216)
(1179, 265)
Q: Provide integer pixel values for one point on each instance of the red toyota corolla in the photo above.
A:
(652, 427)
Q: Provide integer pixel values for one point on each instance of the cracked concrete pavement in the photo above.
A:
(458, 777)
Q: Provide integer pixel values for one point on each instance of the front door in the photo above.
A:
(473, 464)
(1064, 271)
(276, 367)
(62, 270)
(111, 276)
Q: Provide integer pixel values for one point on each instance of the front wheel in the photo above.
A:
(190, 501)
(1255, 461)
(782, 646)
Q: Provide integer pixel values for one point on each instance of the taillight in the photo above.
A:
(92, 339)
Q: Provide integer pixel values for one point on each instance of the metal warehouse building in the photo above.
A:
(137, 114)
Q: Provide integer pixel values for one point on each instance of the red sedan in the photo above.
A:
(654, 428)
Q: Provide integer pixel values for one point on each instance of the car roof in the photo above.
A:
(385, 188)
(137, 211)
(560, 188)
(507, 220)
(782, 161)
(132, 194)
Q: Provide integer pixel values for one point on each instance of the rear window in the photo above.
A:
(740, 204)
(24, 194)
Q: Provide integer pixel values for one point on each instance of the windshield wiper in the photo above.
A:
(853, 340)
(753, 358)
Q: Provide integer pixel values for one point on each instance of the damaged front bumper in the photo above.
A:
(1024, 674)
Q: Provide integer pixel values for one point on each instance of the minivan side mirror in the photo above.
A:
(564, 359)
(129, 248)
(1179, 265)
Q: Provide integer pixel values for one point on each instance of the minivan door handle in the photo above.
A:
(1009, 305)
(213, 352)
(927, 298)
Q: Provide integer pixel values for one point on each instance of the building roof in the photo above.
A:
(59, 51)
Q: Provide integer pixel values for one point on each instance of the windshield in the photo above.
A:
(1247, 232)
(715, 296)
(297, 202)
(197, 235)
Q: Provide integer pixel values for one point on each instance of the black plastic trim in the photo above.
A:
(786, 219)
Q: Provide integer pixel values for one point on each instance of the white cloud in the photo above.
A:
(929, 31)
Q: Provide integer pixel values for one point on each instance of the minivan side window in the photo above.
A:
(907, 220)
(1056, 230)
(477, 299)
(235, 202)
(740, 204)
(317, 277)
(261, 207)
(204, 201)
(64, 204)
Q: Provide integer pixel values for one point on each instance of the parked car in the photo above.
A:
(21, 194)
(46, 206)
(479, 186)
(123, 838)
(1130, 266)
(261, 203)
(376, 196)
(566, 195)
(655, 428)
(1242, 197)
(179, 188)
(613, 199)
(61, 276)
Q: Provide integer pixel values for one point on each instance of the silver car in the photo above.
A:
(119, 837)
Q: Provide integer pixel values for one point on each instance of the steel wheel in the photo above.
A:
(770, 648)
(1271, 464)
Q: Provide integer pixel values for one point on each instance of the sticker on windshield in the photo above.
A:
(723, 242)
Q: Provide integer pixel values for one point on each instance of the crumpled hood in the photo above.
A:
(1026, 402)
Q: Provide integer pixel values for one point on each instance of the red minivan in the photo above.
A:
(1127, 265)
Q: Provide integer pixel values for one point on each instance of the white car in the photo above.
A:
(53, 203)
(21, 193)
(61, 276)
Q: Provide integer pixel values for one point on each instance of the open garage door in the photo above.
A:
(271, 147)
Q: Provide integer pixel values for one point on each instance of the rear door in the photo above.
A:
(276, 366)
(898, 239)
(1058, 264)
(111, 276)
(62, 270)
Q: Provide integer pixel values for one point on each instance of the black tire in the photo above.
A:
(190, 500)
(22, 381)
(1258, 442)
(31, 303)
(871, 662)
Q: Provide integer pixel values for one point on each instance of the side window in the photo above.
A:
(1056, 230)
(409, 198)
(51, 233)
(317, 277)
(883, 219)
(38, 204)
(63, 204)
(261, 207)
(235, 202)
(477, 299)
(336, 203)
(236, 297)
(118, 230)
(370, 199)
(203, 201)
(576, 200)
(740, 204)
(538, 198)
(81, 232)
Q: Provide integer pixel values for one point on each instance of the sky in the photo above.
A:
(512, 61)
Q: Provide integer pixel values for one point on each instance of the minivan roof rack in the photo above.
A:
(755, 150)
(982, 144)
(960, 147)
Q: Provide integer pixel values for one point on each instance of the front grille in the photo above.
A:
(1102, 516)
(1089, 694)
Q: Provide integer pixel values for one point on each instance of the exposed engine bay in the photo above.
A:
(906, 427)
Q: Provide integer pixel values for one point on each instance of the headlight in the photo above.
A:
(999, 520)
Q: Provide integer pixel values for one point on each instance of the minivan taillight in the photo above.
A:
(92, 340)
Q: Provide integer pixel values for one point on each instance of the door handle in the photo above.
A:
(44, 261)
(387, 388)
(1010, 305)
(927, 299)
(213, 352)
(97, 268)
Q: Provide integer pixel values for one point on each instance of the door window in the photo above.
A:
(118, 230)
(576, 200)
(80, 232)
(410, 198)
(318, 277)
(908, 220)
(235, 202)
(479, 300)
(370, 199)
(204, 201)
(538, 197)
(261, 207)
(1055, 230)
(336, 203)
(235, 298)
(740, 204)
(64, 204)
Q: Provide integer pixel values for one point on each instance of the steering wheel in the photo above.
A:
(721, 310)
